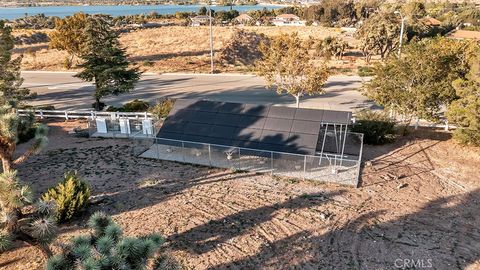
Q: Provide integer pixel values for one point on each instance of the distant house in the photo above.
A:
(432, 22)
(288, 20)
(243, 19)
(464, 34)
(200, 20)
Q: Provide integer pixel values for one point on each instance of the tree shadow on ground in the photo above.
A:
(208, 236)
(441, 235)
(392, 157)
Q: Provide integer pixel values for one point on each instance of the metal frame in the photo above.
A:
(205, 146)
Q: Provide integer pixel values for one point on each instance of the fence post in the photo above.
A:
(209, 156)
(446, 125)
(183, 151)
(271, 157)
(157, 150)
(359, 161)
(41, 114)
(239, 160)
(304, 166)
(66, 115)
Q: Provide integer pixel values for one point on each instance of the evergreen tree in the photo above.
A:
(105, 62)
(11, 92)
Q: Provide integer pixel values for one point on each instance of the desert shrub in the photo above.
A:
(365, 71)
(162, 107)
(107, 248)
(33, 38)
(71, 196)
(132, 106)
(243, 48)
(376, 126)
(26, 128)
(331, 47)
(467, 137)
(136, 106)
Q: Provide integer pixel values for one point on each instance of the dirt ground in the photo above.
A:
(219, 219)
(184, 49)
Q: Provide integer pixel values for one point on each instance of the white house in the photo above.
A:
(288, 20)
(200, 20)
(242, 19)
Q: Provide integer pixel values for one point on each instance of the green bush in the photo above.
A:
(132, 106)
(26, 128)
(71, 196)
(136, 106)
(467, 137)
(107, 248)
(376, 126)
(365, 71)
(162, 108)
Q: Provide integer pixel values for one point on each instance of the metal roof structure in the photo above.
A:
(262, 127)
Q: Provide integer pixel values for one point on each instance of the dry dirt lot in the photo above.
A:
(218, 219)
(181, 49)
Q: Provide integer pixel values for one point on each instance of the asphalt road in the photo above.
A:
(64, 91)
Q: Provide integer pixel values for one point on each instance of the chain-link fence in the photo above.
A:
(325, 167)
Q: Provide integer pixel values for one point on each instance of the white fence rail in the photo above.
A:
(85, 114)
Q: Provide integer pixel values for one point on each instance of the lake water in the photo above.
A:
(62, 11)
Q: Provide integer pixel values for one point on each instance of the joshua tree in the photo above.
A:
(106, 248)
(36, 227)
(9, 122)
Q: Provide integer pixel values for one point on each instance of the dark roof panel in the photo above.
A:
(278, 124)
(309, 114)
(308, 127)
(256, 110)
(281, 112)
(262, 127)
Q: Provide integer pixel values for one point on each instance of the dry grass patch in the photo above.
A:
(180, 48)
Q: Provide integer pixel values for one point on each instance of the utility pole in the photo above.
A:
(212, 68)
(401, 33)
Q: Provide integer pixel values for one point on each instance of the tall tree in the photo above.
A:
(105, 62)
(68, 35)
(379, 34)
(288, 65)
(11, 95)
(9, 126)
(420, 83)
(465, 111)
(11, 91)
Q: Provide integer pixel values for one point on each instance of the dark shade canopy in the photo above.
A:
(263, 127)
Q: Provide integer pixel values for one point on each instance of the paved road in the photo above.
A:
(64, 91)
